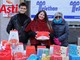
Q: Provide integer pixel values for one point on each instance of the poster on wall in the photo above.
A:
(69, 8)
(8, 2)
(8, 8)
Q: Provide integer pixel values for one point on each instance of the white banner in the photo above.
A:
(69, 8)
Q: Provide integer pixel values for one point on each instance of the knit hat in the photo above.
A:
(58, 14)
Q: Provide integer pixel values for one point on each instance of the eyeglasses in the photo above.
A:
(23, 8)
(58, 17)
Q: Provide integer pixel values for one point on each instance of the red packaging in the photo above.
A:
(30, 50)
(5, 55)
(42, 35)
(19, 56)
(41, 46)
(56, 57)
(3, 42)
(56, 50)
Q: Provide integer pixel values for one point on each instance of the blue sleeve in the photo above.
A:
(66, 33)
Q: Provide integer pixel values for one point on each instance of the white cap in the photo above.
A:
(58, 14)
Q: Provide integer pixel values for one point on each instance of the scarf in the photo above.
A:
(57, 21)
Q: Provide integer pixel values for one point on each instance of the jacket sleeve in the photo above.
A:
(32, 34)
(10, 26)
(28, 28)
(66, 33)
(26, 23)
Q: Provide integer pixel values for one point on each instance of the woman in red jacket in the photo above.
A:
(39, 23)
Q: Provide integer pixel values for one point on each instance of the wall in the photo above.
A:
(3, 24)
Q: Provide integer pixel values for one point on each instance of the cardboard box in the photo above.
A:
(64, 51)
(78, 48)
(73, 49)
(30, 50)
(65, 57)
(56, 57)
(57, 50)
(45, 58)
(74, 57)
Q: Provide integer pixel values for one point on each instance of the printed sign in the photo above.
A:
(8, 8)
(69, 8)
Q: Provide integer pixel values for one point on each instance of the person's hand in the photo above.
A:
(56, 41)
(37, 31)
(51, 35)
(32, 34)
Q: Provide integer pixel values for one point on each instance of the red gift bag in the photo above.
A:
(13, 37)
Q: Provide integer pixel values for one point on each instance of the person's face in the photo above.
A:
(57, 17)
(41, 15)
(22, 9)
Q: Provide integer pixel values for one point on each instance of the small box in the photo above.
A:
(73, 49)
(64, 51)
(19, 47)
(40, 51)
(41, 46)
(78, 48)
(57, 50)
(19, 56)
(5, 55)
(45, 58)
(3, 42)
(33, 57)
(42, 35)
(30, 50)
(56, 57)
(46, 51)
(51, 50)
(78, 41)
(74, 57)
(65, 57)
